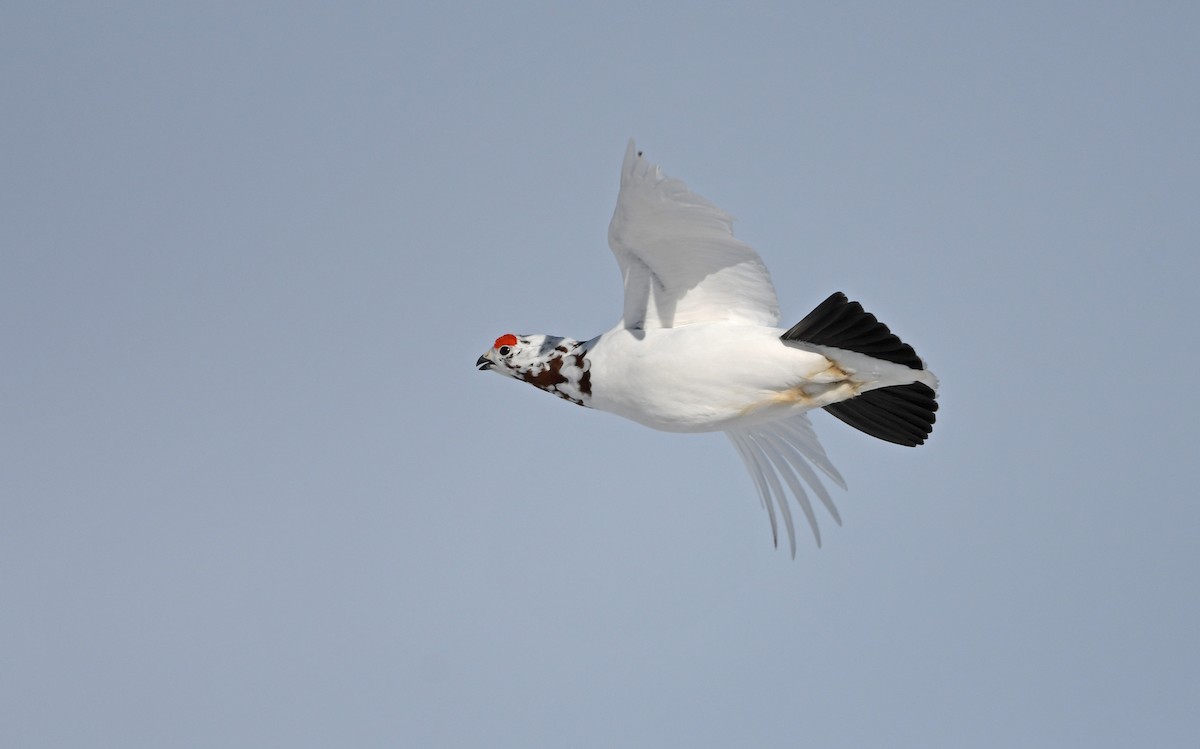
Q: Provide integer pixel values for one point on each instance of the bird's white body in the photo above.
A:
(698, 349)
(721, 376)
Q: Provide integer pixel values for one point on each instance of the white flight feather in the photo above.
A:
(784, 469)
(753, 460)
(679, 260)
(784, 449)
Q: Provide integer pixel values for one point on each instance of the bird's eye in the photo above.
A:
(503, 350)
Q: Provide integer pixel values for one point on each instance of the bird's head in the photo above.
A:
(509, 355)
(558, 365)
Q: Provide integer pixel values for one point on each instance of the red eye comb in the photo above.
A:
(506, 340)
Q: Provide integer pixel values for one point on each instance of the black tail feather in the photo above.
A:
(838, 322)
(903, 414)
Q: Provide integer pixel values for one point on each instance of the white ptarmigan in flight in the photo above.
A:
(697, 350)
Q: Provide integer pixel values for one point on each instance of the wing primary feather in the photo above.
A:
(785, 452)
(784, 509)
(780, 494)
(756, 474)
(784, 468)
(766, 460)
(796, 462)
(764, 495)
(802, 435)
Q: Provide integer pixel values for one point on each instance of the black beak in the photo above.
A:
(484, 363)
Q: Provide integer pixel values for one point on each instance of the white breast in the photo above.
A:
(702, 378)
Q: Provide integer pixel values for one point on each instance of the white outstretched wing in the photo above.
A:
(785, 449)
(678, 257)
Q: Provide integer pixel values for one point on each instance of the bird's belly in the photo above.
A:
(683, 380)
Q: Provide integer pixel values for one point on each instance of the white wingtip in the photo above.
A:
(782, 451)
(629, 167)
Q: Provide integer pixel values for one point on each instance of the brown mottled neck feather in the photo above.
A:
(566, 372)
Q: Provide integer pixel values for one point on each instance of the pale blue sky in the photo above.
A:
(254, 493)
